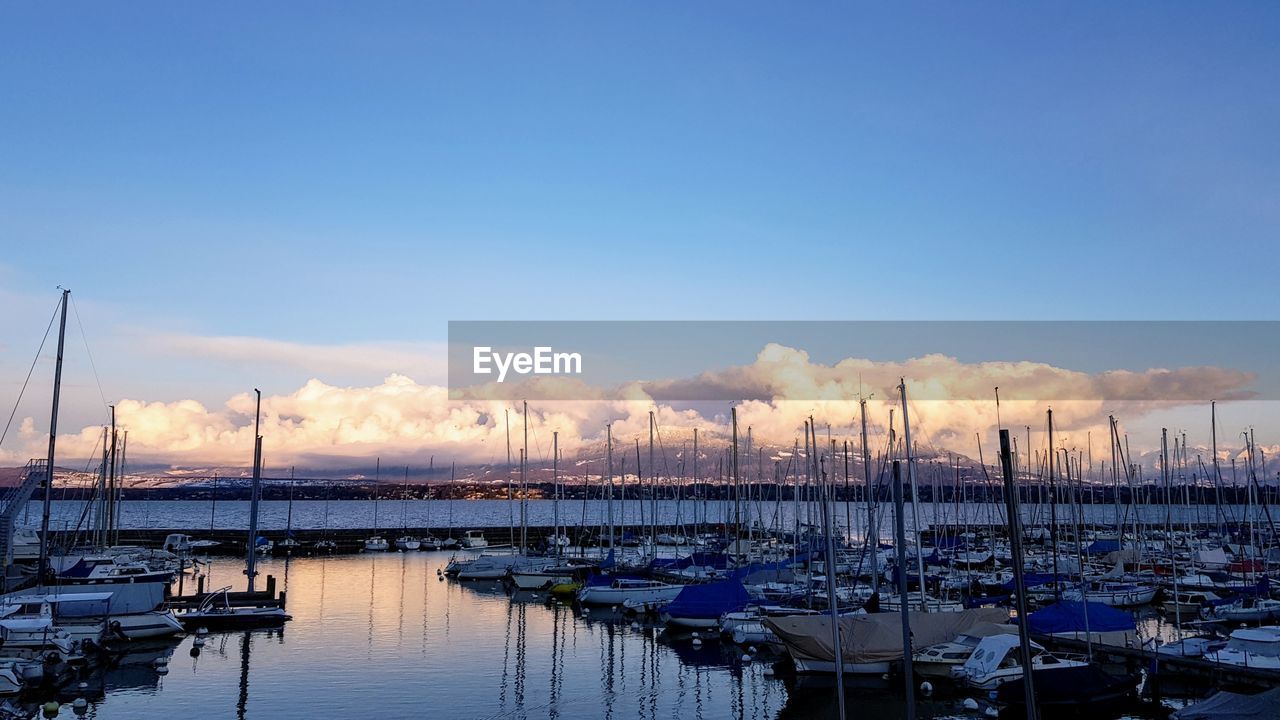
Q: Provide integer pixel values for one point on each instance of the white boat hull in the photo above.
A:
(620, 596)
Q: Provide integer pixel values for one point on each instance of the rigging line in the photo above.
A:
(84, 338)
(31, 370)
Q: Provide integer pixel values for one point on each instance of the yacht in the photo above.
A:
(132, 612)
(1250, 647)
(997, 660)
(377, 543)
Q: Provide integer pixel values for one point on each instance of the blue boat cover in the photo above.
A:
(1067, 616)
(1035, 580)
(1102, 547)
(708, 601)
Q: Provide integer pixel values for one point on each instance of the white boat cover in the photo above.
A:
(1214, 559)
(986, 658)
(876, 637)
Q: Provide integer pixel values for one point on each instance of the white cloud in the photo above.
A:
(404, 420)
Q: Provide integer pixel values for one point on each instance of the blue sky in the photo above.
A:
(360, 173)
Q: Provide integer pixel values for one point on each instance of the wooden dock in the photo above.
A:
(263, 598)
(1157, 665)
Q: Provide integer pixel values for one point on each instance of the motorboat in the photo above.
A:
(1188, 602)
(1250, 647)
(216, 612)
(131, 612)
(997, 660)
(107, 570)
(944, 660)
(473, 540)
(1244, 610)
(497, 567)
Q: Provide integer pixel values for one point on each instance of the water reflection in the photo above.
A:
(379, 634)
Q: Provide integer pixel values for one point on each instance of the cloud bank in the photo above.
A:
(403, 421)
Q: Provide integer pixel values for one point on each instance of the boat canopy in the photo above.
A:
(1102, 547)
(1232, 706)
(991, 651)
(1068, 616)
(876, 637)
(708, 601)
(1036, 580)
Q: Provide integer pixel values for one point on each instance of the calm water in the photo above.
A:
(274, 514)
(378, 636)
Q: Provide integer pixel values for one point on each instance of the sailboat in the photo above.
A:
(215, 609)
(325, 544)
(289, 543)
(430, 542)
(376, 543)
(406, 541)
(450, 542)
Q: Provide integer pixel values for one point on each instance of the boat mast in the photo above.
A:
(288, 522)
(1019, 582)
(555, 490)
(524, 482)
(873, 530)
(251, 555)
(53, 437)
(100, 537)
(112, 520)
(511, 502)
(653, 490)
(608, 431)
(1053, 517)
(833, 602)
(915, 495)
(737, 510)
(377, 477)
(1217, 471)
(900, 540)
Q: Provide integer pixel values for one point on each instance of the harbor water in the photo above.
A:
(378, 635)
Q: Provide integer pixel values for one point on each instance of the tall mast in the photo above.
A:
(119, 497)
(1053, 515)
(100, 536)
(833, 603)
(653, 491)
(1217, 472)
(696, 529)
(555, 489)
(608, 431)
(873, 530)
(112, 520)
(915, 495)
(377, 476)
(524, 482)
(251, 555)
(737, 510)
(511, 502)
(53, 437)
